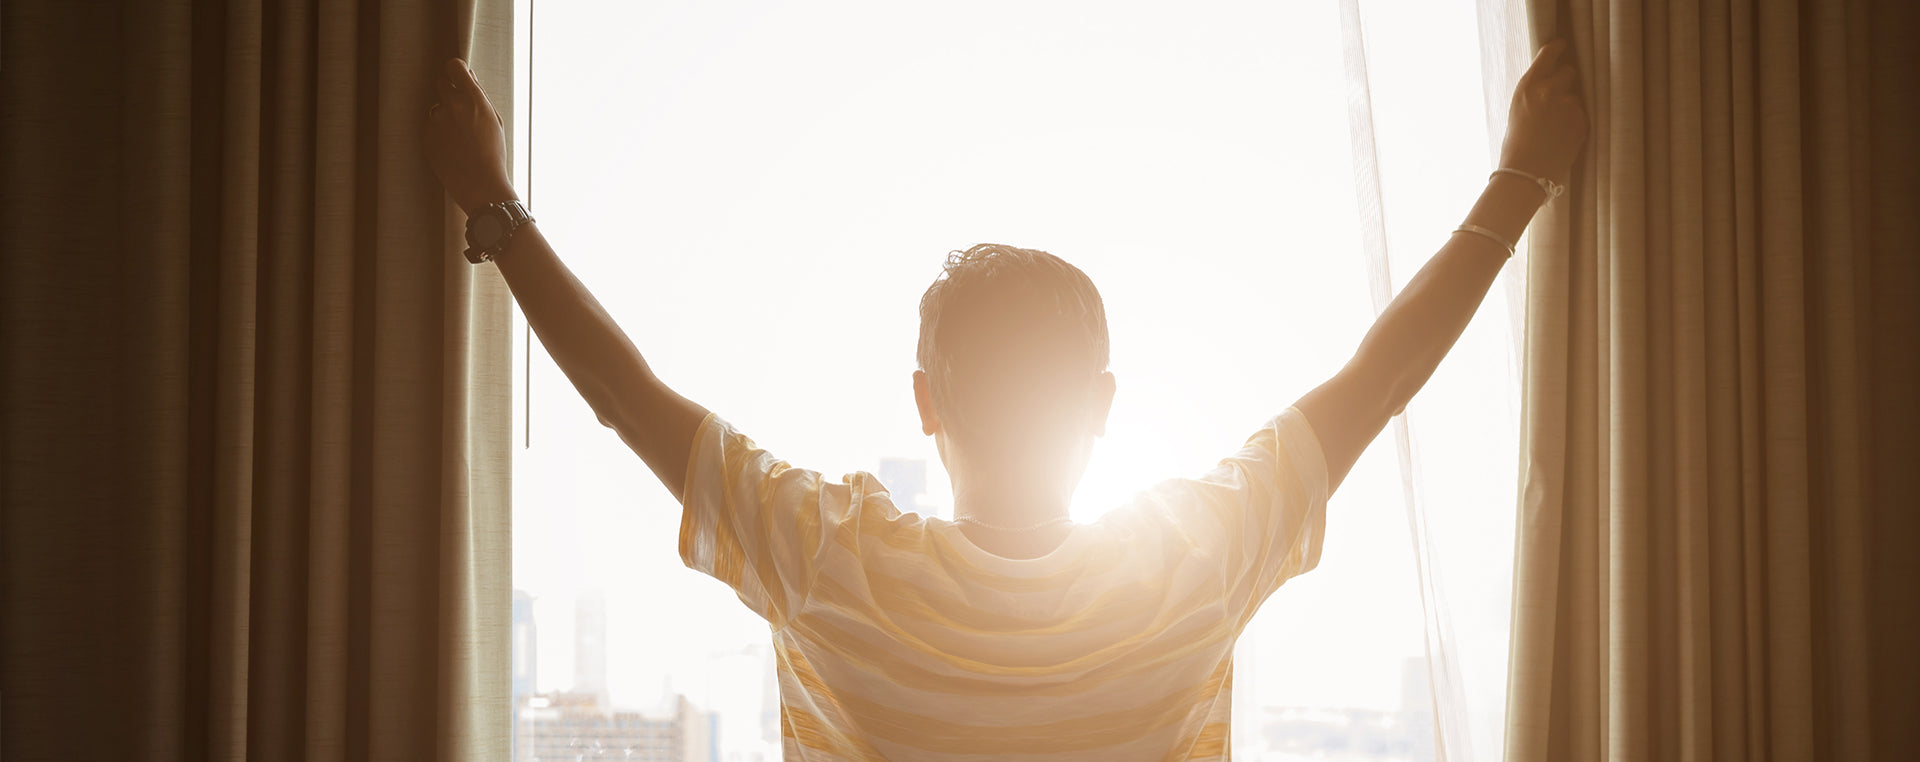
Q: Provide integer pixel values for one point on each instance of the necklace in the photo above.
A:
(1041, 525)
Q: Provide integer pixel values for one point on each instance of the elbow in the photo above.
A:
(626, 408)
(607, 407)
(616, 398)
(613, 411)
(1388, 385)
(1399, 391)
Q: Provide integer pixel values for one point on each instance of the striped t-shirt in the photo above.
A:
(897, 638)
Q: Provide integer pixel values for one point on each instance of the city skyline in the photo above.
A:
(579, 719)
(582, 720)
(744, 709)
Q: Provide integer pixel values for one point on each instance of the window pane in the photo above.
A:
(760, 195)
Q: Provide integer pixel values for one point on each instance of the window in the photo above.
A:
(760, 193)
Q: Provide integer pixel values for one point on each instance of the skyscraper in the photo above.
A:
(590, 645)
(1416, 706)
(906, 481)
(526, 658)
(526, 647)
(770, 699)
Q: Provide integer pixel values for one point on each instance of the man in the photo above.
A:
(1009, 632)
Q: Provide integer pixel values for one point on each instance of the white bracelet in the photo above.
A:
(1552, 189)
(1488, 234)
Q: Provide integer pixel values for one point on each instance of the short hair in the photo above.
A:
(1011, 309)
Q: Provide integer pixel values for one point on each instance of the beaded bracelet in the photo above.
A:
(1553, 189)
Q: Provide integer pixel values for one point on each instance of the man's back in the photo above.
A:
(898, 637)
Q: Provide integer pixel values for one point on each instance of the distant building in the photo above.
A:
(1416, 706)
(526, 646)
(1344, 734)
(581, 724)
(1358, 735)
(590, 645)
(526, 655)
(770, 699)
(1245, 738)
(906, 481)
(576, 726)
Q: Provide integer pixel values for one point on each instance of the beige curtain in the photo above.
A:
(256, 443)
(1720, 521)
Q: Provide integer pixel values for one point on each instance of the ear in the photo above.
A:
(923, 397)
(1102, 402)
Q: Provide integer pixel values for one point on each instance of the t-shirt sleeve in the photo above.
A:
(754, 522)
(1259, 516)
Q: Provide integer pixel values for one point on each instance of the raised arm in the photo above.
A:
(1545, 129)
(466, 145)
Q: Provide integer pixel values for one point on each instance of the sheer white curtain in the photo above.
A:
(1189, 159)
(1428, 88)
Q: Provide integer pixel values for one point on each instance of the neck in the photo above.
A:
(1008, 507)
(1011, 523)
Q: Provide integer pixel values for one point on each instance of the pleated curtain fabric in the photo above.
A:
(256, 443)
(1719, 538)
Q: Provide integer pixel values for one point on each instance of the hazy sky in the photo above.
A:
(760, 192)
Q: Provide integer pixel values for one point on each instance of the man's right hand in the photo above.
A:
(1547, 124)
(466, 141)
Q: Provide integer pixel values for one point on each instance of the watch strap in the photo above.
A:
(511, 215)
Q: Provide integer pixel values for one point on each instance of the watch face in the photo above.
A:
(484, 230)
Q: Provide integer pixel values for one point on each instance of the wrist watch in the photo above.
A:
(490, 227)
